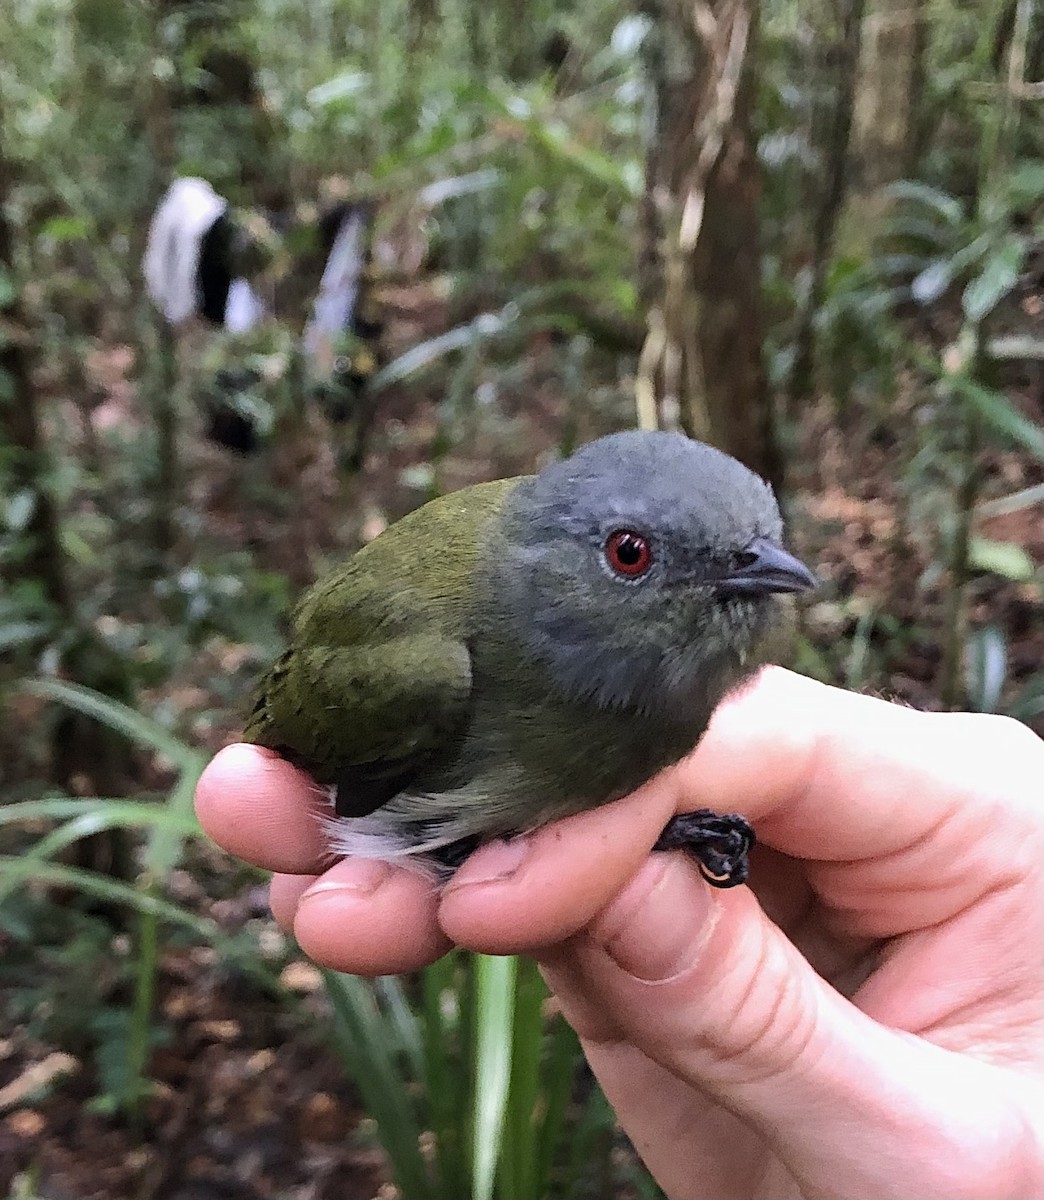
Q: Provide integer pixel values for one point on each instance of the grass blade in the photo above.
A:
(999, 413)
(106, 812)
(495, 1003)
(447, 1081)
(146, 969)
(403, 1021)
(562, 1057)
(362, 1037)
(117, 716)
(519, 1177)
(167, 840)
(21, 869)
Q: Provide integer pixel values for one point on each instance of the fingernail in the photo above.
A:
(658, 925)
(360, 877)
(496, 860)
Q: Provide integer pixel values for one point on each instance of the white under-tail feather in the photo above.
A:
(383, 835)
(371, 837)
(413, 825)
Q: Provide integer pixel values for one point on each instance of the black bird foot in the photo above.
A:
(720, 844)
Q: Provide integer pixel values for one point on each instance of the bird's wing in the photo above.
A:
(366, 717)
(377, 680)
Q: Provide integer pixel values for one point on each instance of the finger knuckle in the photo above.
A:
(773, 1023)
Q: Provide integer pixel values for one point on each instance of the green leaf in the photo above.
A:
(446, 1045)
(366, 1043)
(550, 134)
(20, 508)
(1025, 183)
(541, 1074)
(8, 291)
(120, 717)
(1014, 502)
(627, 37)
(1016, 347)
(942, 203)
(459, 185)
(985, 668)
(601, 168)
(930, 284)
(167, 842)
(998, 276)
(418, 476)
(564, 1058)
(341, 87)
(108, 813)
(998, 412)
(461, 337)
(23, 870)
(1028, 703)
(495, 987)
(402, 1021)
(1006, 559)
(84, 824)
(16, 633)
(921, 231)
(66, 228)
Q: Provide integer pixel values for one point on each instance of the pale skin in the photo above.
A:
(865, 1021)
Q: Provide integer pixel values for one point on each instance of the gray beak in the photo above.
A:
(764, 567)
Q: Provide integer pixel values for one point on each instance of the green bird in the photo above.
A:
(522, 650)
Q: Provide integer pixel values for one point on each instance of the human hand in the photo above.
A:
(864, 1021)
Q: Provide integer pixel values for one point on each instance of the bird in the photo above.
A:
(533, 647)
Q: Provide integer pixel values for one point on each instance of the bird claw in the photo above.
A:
(719, 843)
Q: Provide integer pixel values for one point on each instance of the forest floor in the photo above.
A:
(248, 1101)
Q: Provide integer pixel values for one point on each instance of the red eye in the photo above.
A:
(628, 553)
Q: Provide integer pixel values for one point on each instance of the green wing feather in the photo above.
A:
(376, 680)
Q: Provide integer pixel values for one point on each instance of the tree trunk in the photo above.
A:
(43, 559)
(829, 201)
(701, 366)
(887, 97)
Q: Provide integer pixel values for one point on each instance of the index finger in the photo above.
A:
(259, 807)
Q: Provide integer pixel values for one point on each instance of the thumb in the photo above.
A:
(706, 986)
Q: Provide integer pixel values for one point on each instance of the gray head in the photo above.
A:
(642, 571)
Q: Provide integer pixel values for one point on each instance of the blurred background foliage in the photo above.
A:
(811, 231)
